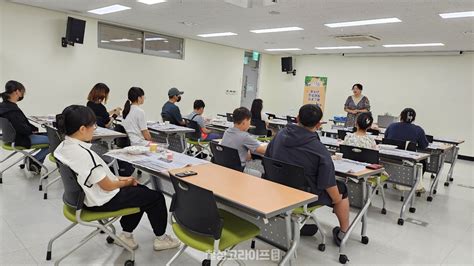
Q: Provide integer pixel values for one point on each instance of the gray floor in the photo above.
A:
(27, 222)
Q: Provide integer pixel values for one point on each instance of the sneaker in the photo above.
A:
(335, 233)
(34, 167)
(128, 240)
(165, 242)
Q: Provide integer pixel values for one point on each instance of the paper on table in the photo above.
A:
(348, 166)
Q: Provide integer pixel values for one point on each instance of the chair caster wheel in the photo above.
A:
(45, 196)
(1, 180)
(322, 247)
(385, 186)
(402, 198)
(429, 198)
(48, 255)
(365, 240)
(376, 192)
(206, 263)
(451, 179)
(432, 176)
(343, 259)
(252, 245)
(446, 184)
(22, 166)
(412, 209)
(129, 263)
(109, 240)
(434, 192)
(139, 173)
(384, 211)
(418, 194)
(40, 188)
(400, 221)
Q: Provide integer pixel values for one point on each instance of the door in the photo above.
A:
(250, 80)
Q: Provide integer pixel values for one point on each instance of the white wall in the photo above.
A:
(439, 88)
(56, 77)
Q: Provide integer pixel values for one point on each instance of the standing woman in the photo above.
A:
(355, 104)
(134, 120)
(96, 99)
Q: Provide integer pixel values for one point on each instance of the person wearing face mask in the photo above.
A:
(170, 112)
(356, 104)
(25, 132)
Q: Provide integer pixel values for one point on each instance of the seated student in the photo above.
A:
(360, 138)
(257, 116)
(406, 131)
(26, 133)
(134, 120)
(298, 144)
(196, 115)
(238, 138)
(170, 112)
(103, 190)
(96, 99)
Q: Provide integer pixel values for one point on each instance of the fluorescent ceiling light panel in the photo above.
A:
(277, 30)
(121, 40)
(220, 34)
(108, 9)
(155, 39)
(363, 22)
(282, 49)
(458, 14)
(104, 41)
(337, 47)
(412, 45)
(151, 2)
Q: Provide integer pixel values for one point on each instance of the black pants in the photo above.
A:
(150, 201)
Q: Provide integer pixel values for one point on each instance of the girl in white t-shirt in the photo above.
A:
(134, 118)
(103, 190)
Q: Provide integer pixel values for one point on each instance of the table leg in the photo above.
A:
(417, 175)
(293, 237)
(434, 184)
(449, 177)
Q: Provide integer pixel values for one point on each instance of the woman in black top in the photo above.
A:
(97, 96)
(261, 125)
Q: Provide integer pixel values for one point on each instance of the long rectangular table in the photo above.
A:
(169, 131)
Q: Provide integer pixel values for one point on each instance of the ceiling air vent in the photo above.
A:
(357, 38)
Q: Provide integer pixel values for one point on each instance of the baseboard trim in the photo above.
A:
(466, 158)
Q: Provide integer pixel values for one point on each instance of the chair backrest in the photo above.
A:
(286, 174)
(429, 138)
(196, 135)
(73, 195)
(411, 146)
(226, 156)
(359, 154)
(341, 134)
(291, 119)
(54, 138)
(260, 127)
(8, 132)
(230, 117)
(401, 144)
(195, 209)
(385, 120)
(374, 132)
(123, 141)
(270, 116)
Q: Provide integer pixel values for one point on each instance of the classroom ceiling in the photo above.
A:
(188, 18)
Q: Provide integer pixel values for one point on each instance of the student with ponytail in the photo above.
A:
(25, 132)
(134, 118)
(103, 190)
(360, 138)
(405, 129)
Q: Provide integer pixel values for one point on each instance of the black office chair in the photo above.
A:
(429, 138)
(226, 156)
(293, 176)
(367, 156)
(401, 144)
(341, 134)
(194, 138)
(123, 141)
(260, 127)
(199, 224)
(291, 119)
(54, 139)
(230, 117)
(270, 116)
(74, 211)
(125, 168)
(374, 132)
